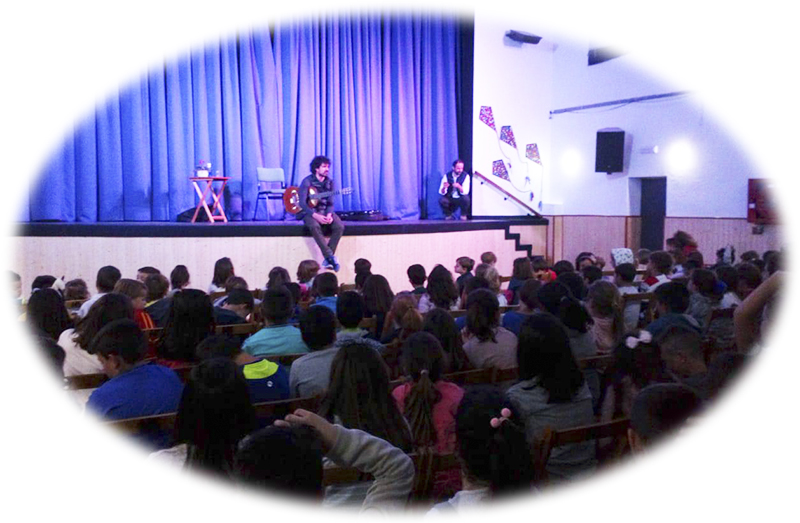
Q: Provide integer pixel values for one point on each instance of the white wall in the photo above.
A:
(515, 81)
(524, 84)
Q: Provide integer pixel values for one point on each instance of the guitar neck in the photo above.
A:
(325, 194)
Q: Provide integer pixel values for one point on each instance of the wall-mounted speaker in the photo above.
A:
(610, 152)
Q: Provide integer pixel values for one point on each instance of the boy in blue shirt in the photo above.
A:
(136, 388)
(277, 336)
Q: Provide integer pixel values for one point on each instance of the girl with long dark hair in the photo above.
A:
(213, 415)
(552, 392)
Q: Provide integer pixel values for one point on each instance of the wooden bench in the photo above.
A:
(74, 304)
(463, 312)
(238, 329)
(645, 298)
(427, 464)
(166, 422)
(551, 438)
(344, 287)
(92, 381)
(464, 377)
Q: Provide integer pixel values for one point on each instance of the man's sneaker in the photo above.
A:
(327, 264)
(335, 263)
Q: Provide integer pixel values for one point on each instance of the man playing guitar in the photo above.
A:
(321, 213)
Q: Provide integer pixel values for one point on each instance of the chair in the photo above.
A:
(265, 176)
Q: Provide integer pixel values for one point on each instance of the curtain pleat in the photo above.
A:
(375, 94)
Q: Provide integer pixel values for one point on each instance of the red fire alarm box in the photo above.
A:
(760, 208)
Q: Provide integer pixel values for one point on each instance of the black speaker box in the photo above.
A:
(186, 216)
(610, 151)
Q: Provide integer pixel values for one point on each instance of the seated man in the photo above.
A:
(672, 300)
(236, 308)
(322, 213)
(277, 336)
(325, 287)
(659, 410)
(266, 380)
(136, 388)
(455, 191)
(310, 374)
(350, 312)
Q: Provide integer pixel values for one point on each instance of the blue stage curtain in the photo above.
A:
(376, 94)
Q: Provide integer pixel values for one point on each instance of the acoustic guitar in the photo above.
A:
(291, 197)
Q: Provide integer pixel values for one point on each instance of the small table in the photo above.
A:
(217, 207)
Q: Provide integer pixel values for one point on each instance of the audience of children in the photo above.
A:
(350, 372)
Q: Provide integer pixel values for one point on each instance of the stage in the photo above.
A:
(77, 250)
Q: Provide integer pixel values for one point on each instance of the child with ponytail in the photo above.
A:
(491, 446)
(428, 403)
